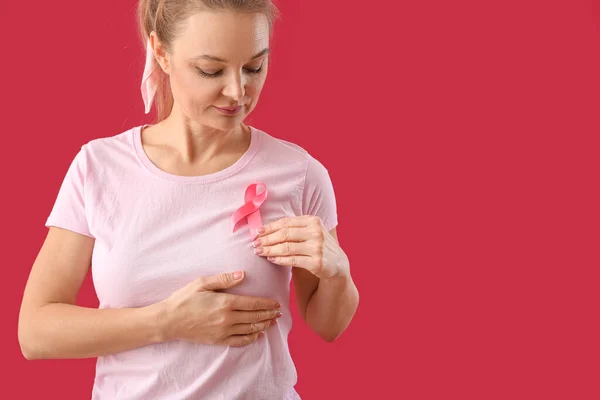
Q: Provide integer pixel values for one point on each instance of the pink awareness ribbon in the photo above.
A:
(255, 196)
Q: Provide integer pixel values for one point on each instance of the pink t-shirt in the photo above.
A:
(156, 232)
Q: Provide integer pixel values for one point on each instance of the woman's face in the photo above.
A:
(220, 60)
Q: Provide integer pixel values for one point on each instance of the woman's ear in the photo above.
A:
(160, 53)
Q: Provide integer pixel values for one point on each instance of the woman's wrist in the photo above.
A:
(158, 316)
(341, 271)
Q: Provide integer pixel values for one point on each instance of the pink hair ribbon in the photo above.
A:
(150, 78)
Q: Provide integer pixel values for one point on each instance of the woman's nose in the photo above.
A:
(235, 87)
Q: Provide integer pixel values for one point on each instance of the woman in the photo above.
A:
(194, 298)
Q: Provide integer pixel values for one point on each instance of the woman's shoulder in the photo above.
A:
(107, 150)
(113, 140)
(290, 152)
(278, 145)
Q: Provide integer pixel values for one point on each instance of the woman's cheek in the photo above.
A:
(201, 94)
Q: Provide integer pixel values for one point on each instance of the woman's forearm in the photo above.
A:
(332, 306)
(58, 330)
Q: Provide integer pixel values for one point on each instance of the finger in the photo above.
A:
(248, 329)
(247, 317)
(284, 249)
(287, 222)
(303, 262)
(293, 234)
(218, 282)
(249, 303)
(241, 340)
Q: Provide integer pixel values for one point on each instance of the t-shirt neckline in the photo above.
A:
(208, 178)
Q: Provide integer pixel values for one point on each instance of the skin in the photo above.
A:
(196, 139)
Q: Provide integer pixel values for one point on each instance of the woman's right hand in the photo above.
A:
(198, 312)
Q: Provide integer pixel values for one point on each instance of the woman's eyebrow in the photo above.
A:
(219, 59)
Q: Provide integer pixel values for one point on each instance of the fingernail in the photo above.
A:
(278, 314)
(260, 231)
(237, 275)
(273, 322)
(258, 250)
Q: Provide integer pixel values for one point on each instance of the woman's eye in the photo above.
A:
(255, 71)
(209, 74)
(218, 73)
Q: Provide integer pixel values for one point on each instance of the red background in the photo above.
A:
(462, 141)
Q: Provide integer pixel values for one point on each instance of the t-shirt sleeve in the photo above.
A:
(69, 210)
(318, 195)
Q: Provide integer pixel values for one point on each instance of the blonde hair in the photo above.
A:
(165, 17)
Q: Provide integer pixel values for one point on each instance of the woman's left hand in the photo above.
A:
(302, 242)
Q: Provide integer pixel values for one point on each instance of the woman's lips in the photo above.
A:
(229, 110)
